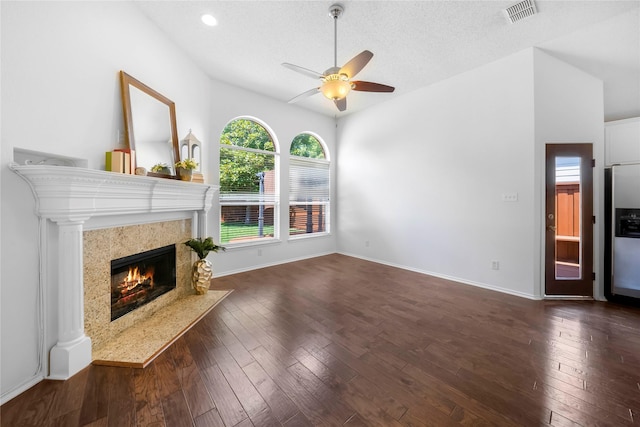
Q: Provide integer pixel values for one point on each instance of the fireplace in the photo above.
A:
(98, 251)
(139, 279)
(85, 213)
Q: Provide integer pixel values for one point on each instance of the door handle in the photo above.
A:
(551, 227)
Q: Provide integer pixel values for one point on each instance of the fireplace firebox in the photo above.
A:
(139, 279)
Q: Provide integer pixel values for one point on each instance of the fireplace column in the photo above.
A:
(72, 352)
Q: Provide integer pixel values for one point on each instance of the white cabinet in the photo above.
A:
(622, 141)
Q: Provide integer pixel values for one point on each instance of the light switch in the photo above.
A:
(509, 197)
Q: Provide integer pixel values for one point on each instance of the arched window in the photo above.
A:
(309, 187)
(248, 183)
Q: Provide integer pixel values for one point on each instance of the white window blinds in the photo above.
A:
(309, 195)
(308, 181)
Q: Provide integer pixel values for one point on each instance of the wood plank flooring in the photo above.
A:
(336, 341)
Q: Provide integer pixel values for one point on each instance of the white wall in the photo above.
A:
(569, 108)
(61, 95)
(421, 177)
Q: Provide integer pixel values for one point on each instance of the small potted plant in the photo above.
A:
(184, 169)
(162, 168)
(202, 272)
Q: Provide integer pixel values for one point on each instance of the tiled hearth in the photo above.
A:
(87, 217)
(101, 246)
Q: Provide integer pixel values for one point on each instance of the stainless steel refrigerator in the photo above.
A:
(622, 203)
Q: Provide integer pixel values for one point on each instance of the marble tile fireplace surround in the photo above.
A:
(89, 217)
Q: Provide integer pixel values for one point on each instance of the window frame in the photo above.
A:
(317, 161)
(257, 241)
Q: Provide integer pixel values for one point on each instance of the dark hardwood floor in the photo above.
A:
(340, 341)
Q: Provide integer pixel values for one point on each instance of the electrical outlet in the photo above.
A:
(509, 197)
(495, 265)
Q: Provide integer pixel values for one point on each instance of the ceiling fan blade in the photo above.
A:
(341, 104)
(304, 95)
(356, 64)
(371, 87)
(302, 70)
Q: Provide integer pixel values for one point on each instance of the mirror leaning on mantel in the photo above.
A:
(150, 125)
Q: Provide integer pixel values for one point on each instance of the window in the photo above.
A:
(248, 184)
(308, 186)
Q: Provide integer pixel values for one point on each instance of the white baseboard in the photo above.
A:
(447, 277)
(271, 264)
(21, 388)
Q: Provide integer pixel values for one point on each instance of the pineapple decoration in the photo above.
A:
(202, 271)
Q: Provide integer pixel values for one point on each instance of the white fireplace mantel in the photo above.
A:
(70, 193)
(71, 196)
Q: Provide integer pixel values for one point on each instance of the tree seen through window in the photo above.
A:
(247, 182)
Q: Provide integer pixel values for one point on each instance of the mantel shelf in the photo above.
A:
(72, 193)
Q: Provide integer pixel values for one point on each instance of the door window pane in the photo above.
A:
(568, 227)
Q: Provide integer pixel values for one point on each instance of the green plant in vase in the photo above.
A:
(162, 168)
(185, 168)
(202, 271)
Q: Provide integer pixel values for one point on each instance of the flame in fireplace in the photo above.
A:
(135, 278)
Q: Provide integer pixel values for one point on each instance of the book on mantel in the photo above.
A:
(130, 166)
(118, 161)
(197, 177)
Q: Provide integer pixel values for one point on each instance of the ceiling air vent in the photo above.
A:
(520, 11)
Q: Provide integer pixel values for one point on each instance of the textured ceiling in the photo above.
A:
(415, 43)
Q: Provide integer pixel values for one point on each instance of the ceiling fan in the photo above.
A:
(336, 82)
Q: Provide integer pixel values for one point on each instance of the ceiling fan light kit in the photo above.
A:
(335, 86)
(336, 82)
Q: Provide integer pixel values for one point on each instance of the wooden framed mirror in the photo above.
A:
(150, 126)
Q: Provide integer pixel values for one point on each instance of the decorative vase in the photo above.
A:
(201, 275)
(185, 174)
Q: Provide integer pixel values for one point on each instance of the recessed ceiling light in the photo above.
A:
(209, 20)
